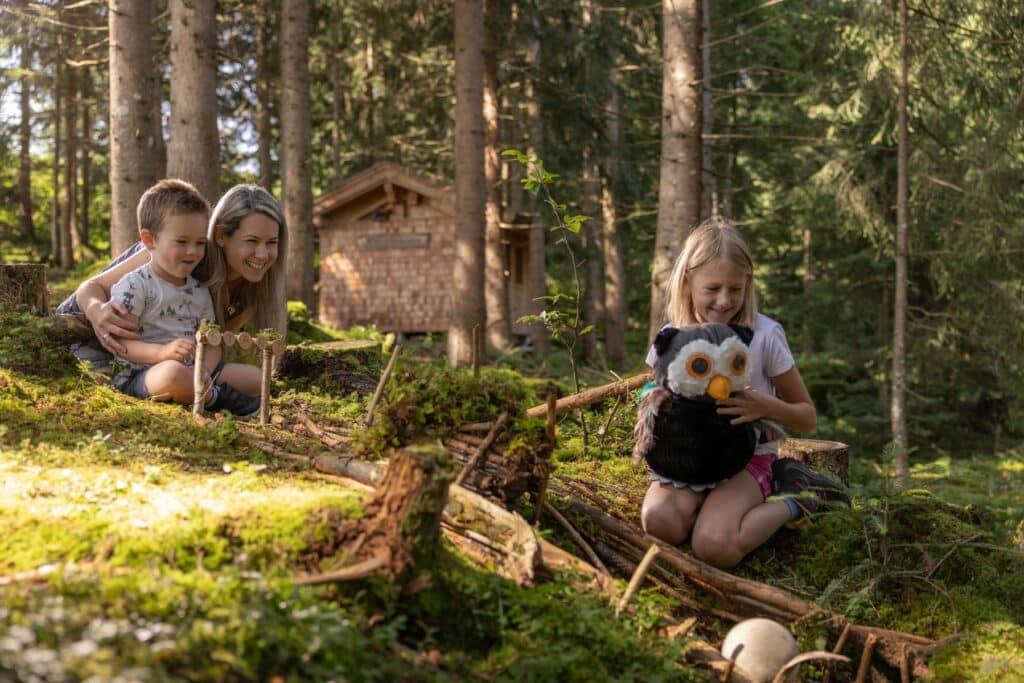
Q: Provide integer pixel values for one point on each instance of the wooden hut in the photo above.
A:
(387, 248)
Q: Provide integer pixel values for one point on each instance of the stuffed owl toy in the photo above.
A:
(679, 431)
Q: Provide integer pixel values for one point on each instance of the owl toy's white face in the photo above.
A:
(703, 367)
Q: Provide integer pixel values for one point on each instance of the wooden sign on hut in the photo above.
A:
(387, 252)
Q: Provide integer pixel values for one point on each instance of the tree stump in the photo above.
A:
(344, 365)
(401, 529)
(23, 286)
(821, 456)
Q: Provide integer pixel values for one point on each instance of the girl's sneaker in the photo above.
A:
(226, 397)
(811, 492)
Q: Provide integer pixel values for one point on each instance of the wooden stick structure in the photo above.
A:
(379, 391)
(270, 347)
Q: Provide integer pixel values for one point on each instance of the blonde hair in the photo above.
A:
(168, 197)
(714, 239)
(267, 296)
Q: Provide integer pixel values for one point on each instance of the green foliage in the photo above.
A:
(430, 400)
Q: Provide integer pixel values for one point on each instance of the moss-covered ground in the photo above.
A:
(137, 545)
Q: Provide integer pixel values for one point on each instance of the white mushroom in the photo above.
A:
(767, 645)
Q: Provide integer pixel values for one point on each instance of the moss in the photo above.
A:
(994, 652)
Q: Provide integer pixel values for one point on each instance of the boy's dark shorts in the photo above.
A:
(133, 383)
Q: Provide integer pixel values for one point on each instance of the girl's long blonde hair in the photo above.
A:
(267, 296)
(714, 239)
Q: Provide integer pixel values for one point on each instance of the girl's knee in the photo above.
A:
(666, 524)
(717, 549)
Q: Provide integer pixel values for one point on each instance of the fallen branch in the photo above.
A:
(482, 448)
(360, 570)
(576, 537)
(591, 396)
(380, 385)
(637, 578)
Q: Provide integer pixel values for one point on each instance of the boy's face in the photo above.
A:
(178, 248)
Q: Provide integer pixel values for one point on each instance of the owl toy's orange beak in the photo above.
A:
(719, 387)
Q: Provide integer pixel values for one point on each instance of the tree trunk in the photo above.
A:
(496, 279)
(71, 239)
(27, 227)
(679, 188)
(708, 198)
(467, 309)
(57, 246)
(615, 305)
(132, 144)
(336, 92)
(264, 96)
(899, 327)
(296, 148)
(370, 144)
(193, 147)
(156, 83)
(593, 289)
(86, 157)
(537, 275)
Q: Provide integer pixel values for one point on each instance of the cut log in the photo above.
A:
(344, 365)
(820, 456)
(402, 520)
(23, 287)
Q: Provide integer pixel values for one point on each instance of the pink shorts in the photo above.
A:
(760, 467)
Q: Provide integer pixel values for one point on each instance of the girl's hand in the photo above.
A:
(747, 405)
(112, 322)
(180, 350)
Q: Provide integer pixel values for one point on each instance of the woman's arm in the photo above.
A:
(109, 318)
(792, 408)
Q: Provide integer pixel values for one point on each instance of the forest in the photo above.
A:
(871, 152)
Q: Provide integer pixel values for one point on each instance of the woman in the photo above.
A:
(242, 269)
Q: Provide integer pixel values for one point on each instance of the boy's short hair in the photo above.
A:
(169, 197)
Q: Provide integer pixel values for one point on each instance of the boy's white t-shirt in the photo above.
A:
(166, 311)
(769, 357)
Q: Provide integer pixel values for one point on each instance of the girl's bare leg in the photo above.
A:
(734, 520)
(668, 513)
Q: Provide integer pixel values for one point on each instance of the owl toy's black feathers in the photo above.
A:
(679, 431)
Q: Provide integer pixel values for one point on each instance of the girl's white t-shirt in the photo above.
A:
(769, 357)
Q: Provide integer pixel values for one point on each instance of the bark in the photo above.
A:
(85, 150)
(496, 270)
(27, 228)
(537, 276)
(23, 286)
(593, 289)
(71, 238)
(263, 96)
(57, 241)
(366, 123)
(615, 311)
(336, 92)
(467, 308)
(898, 414)
(193, 148)
(679, 187)
(707, 175)
(132, 143)
(296, 149)
(156, 86)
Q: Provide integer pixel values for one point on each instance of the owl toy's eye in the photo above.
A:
(698, 365)
(738, 364)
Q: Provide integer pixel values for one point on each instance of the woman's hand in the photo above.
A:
(180, 350)
(747, 405)
(111, 322)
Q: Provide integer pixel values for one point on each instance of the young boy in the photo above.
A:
(171, 304)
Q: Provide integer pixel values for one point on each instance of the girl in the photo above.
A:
(245, 238)
(712, 282)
